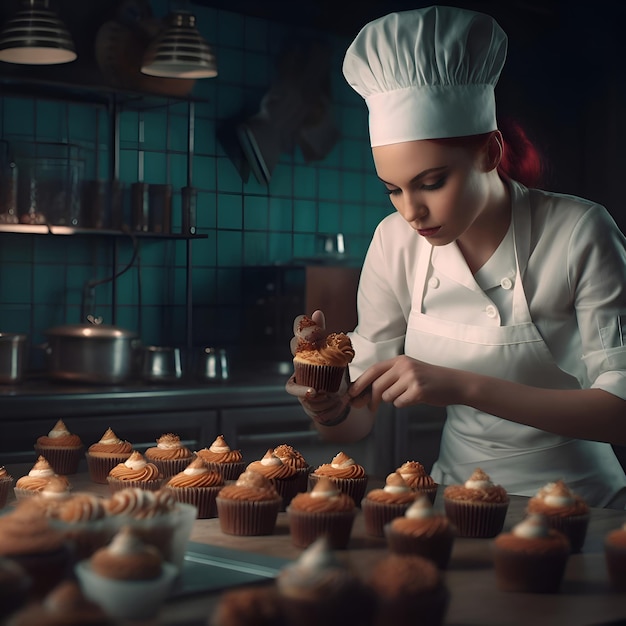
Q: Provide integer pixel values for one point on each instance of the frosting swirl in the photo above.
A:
(59, 437)
(416, 476)
(272, 467)
(135, 467)
(325, 497)
(110, 443)
(290, 456)
(38, 477)
(81, 507)
(421, 520)
(556, 498)
(478, 488)
(315, 347)
(395, 491)
(342, 466)
(196, 475)
(250, 486)
(168, 447)
(140, 503)
(220, 452)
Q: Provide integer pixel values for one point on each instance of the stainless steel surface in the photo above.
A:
(161, 364)
(213, 365)
(13, 356)
(91, 353)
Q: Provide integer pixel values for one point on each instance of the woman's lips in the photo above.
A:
(428, 232)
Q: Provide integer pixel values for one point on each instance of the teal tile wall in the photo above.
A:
(243, 222)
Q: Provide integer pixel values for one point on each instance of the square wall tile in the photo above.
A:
(281, 214)
(229, 286)
(229, 248)
(256, 212)
(16, 283)
(255, 248)
(329, 217)
(280, 247)
(329, 184)
(229, 211)
(19, 117)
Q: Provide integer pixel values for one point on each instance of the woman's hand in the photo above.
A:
(403, 381)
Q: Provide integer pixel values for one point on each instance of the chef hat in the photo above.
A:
(427, 73)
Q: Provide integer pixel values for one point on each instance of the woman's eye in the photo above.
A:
(436, 185)
(393, 192)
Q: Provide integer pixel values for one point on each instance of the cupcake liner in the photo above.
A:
(170, 467)
(305, 527)
(242, 518)
(5, 488)
(574, 527)
(529, 573)
(86, 537)
(430, 492)
(115, 484)
(377, 514)
(63, 460)
(287, 488)
(320, 377)
(302, 478)
(99, 467)
(229, 471)
(354, 487)
(203, 498)
(22, 494)
(437, 548)
(476, 519)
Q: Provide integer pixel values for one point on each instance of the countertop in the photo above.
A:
(585, 598)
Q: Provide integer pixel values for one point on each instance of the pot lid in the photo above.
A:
(96, 331)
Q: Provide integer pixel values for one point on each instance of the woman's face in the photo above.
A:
(443, 192)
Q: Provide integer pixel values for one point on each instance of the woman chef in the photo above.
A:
(504, 303)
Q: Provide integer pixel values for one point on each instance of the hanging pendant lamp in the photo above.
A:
(36, 36)
(180, 51)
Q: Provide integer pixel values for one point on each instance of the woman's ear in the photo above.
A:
(493, 151)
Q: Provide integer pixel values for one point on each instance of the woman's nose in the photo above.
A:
(412, 211)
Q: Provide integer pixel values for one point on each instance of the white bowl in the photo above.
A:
(126, 599)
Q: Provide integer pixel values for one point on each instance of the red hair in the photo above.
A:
(521, 159)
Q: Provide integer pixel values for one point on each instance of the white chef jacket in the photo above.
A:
(572, 260)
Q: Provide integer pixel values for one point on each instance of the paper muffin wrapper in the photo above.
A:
(170, 467)
(479, 520)
(229, 471)
(203, 498)
(86, 537)
(244, 518)
(99, 467)
(530, 573)
(354, 487)
(5, 489)
(305, 527)
(115, 484)
(287, 488)
(22, 494)
(377, 514)
(63, 460)
(320, 377)
(429, 492)
(437, 548)
(574, 527)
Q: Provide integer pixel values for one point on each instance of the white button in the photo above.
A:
(433, 282)
(491, 311)
(506, 283)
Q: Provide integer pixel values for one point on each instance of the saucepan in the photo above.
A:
(161, 364)
(91, 353)
(13, 357)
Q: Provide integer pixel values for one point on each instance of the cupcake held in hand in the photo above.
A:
(320, 361)
(564, 511)
(169, 455)
(531, 558)
(323, 511)
(62, 449)
(380, 506)
(135, 471)
(219, 456)
(422, 531)
(105, 454)
(477, 508)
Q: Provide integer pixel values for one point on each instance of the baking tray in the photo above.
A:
(211, 568)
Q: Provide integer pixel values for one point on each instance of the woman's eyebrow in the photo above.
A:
(420, 175)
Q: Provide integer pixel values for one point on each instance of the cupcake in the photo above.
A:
(197, 485)
(348, 475)
(55, 491)
(284, 477)
(318, 589)
(564, 510)
(36, 479)
(62, 449)
(219, 456)
(531, 558)
(416, 477)
(380, 506)
(422, 531)
(83, 520)
(135, 471)
(248, 507)
(6, 482)
(65, 605)
(477, 508)
(290, 456)
(409, 590)
(615, 557)
(127, 578)
(14, 587)
(27, 537)
(169, 455)
(105, 454)
(320, 361)
(323, 511)
(256, 605)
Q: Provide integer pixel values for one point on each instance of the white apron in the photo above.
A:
(520, 458)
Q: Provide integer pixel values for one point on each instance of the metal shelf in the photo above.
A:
(45, 229)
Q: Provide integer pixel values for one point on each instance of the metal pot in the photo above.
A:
(91, 353)
(13, 356)
(161, 364)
